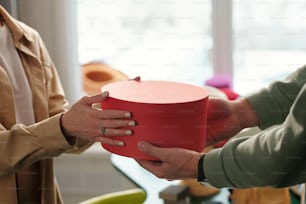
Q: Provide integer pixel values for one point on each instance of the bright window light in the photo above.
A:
(269, 39)
(154, 39)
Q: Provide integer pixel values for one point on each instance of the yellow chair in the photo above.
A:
(132, 196)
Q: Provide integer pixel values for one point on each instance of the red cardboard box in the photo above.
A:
(168, 114)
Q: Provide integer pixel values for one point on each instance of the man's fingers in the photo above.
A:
(150, 149)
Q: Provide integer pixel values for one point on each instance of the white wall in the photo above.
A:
(10, 6)
(55, 20)
(222, 37)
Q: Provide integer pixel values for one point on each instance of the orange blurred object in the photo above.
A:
(262, 195)
(98, 74)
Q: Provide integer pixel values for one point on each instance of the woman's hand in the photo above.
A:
(85, 121)
(174, 163)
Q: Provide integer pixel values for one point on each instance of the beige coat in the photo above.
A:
(21, 146)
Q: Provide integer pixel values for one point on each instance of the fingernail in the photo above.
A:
(131, 123)
(105, 93)
(128, 132)
(127, 114)
(141, 146)
(121, 143)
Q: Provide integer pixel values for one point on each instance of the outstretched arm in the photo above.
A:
(86, 122)
(227, 118)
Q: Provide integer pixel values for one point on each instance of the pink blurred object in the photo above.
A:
(219, 81)
(224, 84)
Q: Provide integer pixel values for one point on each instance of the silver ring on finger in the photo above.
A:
(103, 129)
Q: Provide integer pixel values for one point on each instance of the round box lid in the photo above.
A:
(168, 114)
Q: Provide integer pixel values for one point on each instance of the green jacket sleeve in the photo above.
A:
(272, 104)
(273, 157)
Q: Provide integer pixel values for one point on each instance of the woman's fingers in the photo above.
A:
(113, 132)
(111, 123)
(106, 140)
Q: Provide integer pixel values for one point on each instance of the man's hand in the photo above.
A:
(174, 163)
(227, 118)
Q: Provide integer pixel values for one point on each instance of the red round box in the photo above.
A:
(168, 114)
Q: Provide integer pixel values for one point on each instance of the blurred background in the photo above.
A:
(251, 41)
